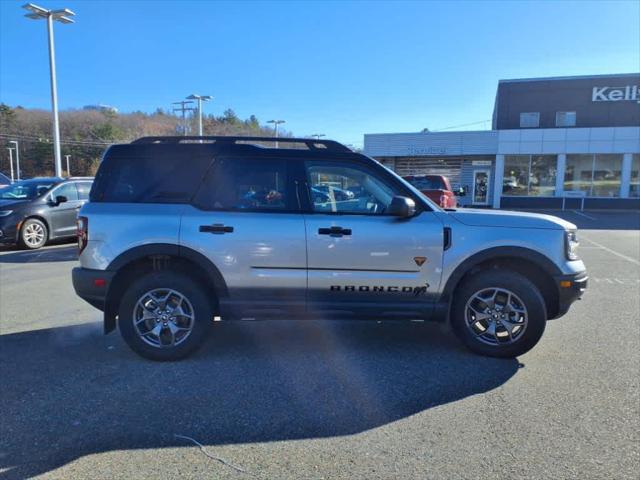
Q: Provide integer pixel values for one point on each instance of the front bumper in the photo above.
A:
(570, 288)
(92, 285)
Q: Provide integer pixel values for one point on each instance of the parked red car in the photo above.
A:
(436, 187)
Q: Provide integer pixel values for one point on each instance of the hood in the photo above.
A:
(508, 219)
(6, 204)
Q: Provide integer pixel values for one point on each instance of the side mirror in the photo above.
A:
(460, 192)
(402, 207)
(60, 199)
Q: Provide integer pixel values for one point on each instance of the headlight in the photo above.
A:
(5, 213)
(571, 245)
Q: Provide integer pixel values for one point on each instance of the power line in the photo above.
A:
(33, 138)
(463, 125)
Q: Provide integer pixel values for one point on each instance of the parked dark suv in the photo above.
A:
(37, 210)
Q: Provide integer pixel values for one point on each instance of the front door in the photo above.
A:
(246, 220)
(362, 261)
(63, 216)
(480, 194)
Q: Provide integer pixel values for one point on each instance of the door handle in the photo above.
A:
(334, 231)
(216, 228)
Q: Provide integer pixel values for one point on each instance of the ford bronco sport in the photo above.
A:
(182, 231)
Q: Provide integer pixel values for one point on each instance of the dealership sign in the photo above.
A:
(616, 94)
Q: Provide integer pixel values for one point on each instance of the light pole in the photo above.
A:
(62, 16)
(15, 142)
(11, 162)
(275, 126)
(317, 135)
(68, 171)
(200, 99)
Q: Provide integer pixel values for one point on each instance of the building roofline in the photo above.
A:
(574, 77)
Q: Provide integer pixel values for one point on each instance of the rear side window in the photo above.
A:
(150, 174)
(83, 190)
(242, 184)
(427, 183)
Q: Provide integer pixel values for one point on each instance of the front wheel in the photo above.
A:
(164, 316)
(33, 234)
(498, 313)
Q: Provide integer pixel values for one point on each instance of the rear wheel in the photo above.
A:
(33, 234)
(499, 313)
(164, 316)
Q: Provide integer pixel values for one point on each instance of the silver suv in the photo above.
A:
(181, 232)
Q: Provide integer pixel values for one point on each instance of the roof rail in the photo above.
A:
(311, 143)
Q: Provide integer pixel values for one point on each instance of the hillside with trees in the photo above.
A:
(85, 134)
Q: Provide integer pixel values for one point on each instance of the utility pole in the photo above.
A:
(275, 126)
(63, 16)
(17, 158)
(200, 99)
(184, 109)
(11, 162)
(68, 171)
(317, 135)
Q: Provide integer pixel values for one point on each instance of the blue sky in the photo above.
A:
(338, 68)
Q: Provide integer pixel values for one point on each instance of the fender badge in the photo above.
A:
(420, 260)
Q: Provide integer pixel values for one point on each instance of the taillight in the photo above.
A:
(83, 233)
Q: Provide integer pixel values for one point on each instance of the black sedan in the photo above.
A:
(37, 210)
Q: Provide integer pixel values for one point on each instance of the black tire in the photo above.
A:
(26, 227)
(197, 297)
(523, 288)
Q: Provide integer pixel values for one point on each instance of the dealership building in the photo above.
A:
(553, 140)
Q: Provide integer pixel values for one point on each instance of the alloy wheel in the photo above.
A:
(33, 234)
(163, 318)
(496, 316)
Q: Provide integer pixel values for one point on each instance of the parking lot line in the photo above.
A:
(613, 252)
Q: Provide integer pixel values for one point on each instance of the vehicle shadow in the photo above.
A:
(69, 392)
(61, 254)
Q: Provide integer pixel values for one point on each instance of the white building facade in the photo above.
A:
(542, 162)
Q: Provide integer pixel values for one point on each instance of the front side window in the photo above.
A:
(247, 185)
(335, 188)
(565, 119)
(67, 190)
(529, 120)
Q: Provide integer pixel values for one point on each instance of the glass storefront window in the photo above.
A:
(516, 173)
(578, 173)
(596, 175)
(607, 171)
(529, 175)
(542, 179)
(634, 185)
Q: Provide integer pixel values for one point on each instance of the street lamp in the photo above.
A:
(200, 99)
(317, 135)
(275, 124)
(62, 16)
(15, 142)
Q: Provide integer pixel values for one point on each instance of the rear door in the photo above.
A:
(62, 217)
(246, 219)
(362, 261)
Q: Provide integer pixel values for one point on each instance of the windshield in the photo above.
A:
(25, 190)
(427, 183)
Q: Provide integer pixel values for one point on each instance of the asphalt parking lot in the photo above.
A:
(322, 399)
